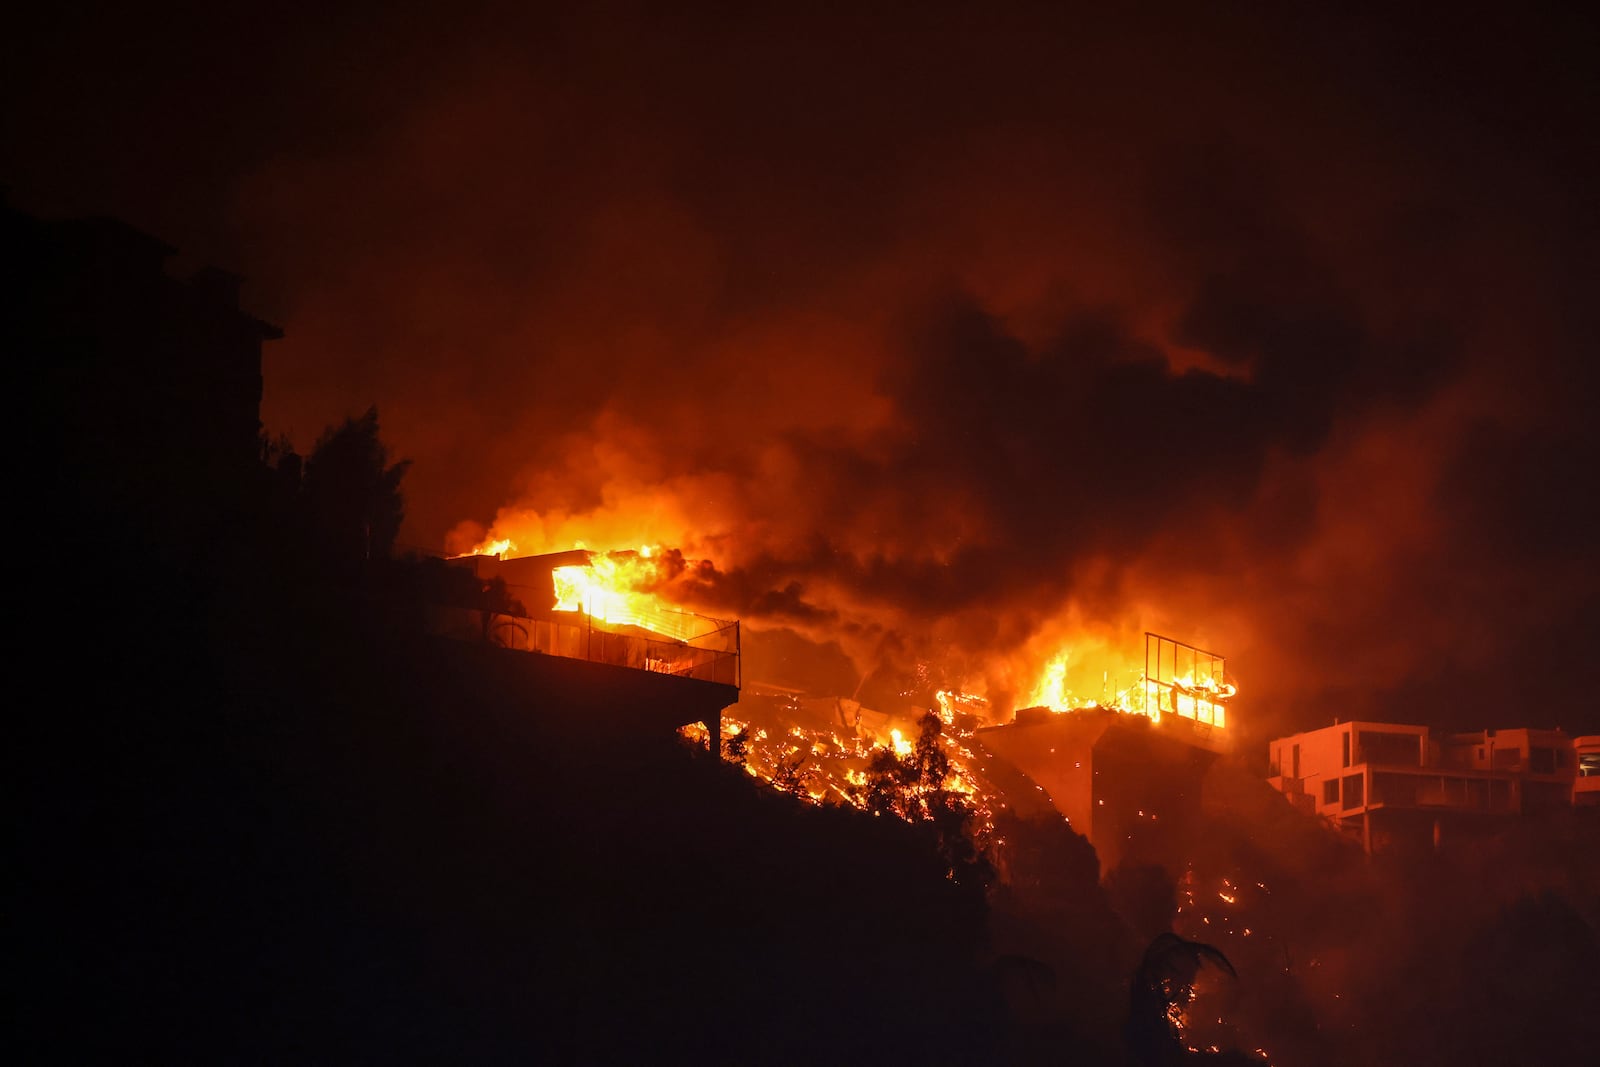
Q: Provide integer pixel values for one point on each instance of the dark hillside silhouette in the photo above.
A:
(265, 818)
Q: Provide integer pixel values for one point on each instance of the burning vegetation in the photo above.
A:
(921, 758)
(918, 757)
(979, 771)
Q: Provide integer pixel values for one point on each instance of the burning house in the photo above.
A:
(1399, 785)
(582, 626)
(1127, 774)
(587, 605)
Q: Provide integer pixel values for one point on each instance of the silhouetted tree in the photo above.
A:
(1162, 986)
(274, 449)
(352, 494)
(735, 748)
(281, 479)
(929, 758)
(790, 775)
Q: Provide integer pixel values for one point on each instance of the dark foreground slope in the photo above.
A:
(265, 822)
(269, 826)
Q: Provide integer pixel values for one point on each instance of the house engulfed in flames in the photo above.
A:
(587, 605)
(1127, 774)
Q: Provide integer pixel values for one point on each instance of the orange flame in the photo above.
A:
(613, 589)
(1202, 699)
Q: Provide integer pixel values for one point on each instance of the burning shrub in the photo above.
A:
(791, 777)
(912, 786)
(737, 746)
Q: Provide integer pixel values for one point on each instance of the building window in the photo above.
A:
(1394, 789)
(1392, 748)
(1542, 760)
(1346, 736)
(1330, 791)
(1295, 756)
(1355, 792)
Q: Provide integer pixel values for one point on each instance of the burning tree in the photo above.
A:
(736, 746)
(913, 786)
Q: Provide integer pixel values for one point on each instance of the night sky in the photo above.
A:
(949, 336)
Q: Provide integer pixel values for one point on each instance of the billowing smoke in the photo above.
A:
(949, 341)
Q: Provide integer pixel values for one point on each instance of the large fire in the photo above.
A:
(925, 763)
(622, 587)
(1200, 693)
(819, 748)
(613, 588)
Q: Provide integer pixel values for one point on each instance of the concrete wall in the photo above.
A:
(1057, 752)
(1129, 785)
(1305, 762)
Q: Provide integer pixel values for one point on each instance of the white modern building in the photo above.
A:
(1395, 783)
